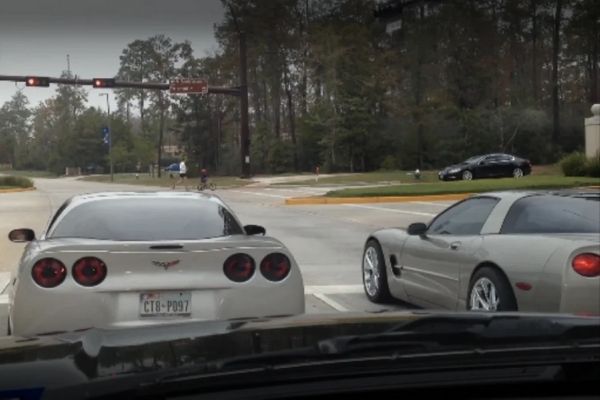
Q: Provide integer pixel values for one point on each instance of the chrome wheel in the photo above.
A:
(371, 271)
(484, 296)
(517, 173)
(467, 176)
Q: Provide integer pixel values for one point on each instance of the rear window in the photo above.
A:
(553, 214)
(147, 219)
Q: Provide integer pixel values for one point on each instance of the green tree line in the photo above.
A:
(329, 86)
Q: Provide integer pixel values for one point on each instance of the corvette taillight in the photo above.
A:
(275, 267)
(587, 264)
(89, 271)
(48, 272)
(239, 267)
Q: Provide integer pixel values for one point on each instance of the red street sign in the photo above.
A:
(188, 86)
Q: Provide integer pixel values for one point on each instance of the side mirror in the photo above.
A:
(21, 235)
(254, 230)
(417, 228)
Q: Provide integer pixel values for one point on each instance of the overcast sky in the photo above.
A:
(37, 35)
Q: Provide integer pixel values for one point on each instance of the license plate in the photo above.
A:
(165, 304)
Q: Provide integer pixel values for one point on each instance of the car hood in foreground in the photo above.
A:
(96, 356)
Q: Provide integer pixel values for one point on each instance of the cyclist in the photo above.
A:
(203, 176)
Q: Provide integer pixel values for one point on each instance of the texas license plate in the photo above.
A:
(165, 304)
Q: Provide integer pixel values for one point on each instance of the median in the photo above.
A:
(15, 184)
(440, 191)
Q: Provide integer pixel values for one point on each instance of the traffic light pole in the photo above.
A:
(110, 157)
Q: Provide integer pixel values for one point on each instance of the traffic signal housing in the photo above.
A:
(103, 82)
(37, 81)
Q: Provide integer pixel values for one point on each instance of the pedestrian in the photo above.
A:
(182, 174)
(317, 170)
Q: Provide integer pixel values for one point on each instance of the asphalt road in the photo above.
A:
(326, 240)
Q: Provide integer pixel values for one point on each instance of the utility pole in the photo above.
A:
(245, 130)
(110, 158)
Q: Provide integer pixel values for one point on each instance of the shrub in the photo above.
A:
(593, 166)
(18, 181)
(389, 163)
(574, 164)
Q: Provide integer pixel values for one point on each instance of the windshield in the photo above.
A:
(238, 160)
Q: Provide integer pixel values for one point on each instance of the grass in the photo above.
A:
(165, 180)
(29, 173)
(10, 182)
(475, 186)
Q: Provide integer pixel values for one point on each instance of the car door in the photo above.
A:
(489, 167)
(430, 263)
(505, 165)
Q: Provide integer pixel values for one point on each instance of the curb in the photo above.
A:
(379, 199)
(16, 190)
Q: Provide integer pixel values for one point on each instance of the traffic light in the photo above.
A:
(103, 82)
(37, 81)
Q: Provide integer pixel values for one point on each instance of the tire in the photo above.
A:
(517, 173)
(212, 186)
(200, 188)
(467, 176)
(374, 273)
(484, 277)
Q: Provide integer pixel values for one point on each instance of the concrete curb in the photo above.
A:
(379, 199)
(16, 190)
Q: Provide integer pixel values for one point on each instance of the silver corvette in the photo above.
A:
(127, 259)
(503, 251)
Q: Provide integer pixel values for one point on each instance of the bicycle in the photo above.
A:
(206, 185)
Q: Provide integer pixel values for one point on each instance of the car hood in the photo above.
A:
(98, 355)
(459, 165)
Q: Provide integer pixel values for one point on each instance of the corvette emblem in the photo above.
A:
(165, 264)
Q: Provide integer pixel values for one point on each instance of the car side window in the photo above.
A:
(465, 218)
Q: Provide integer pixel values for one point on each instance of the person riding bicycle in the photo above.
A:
(203, 176)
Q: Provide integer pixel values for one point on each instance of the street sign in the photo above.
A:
(105, 135)
(188, 86)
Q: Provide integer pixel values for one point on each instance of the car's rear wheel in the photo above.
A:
(374, 273)
(467, 176)
(517, 173)
(490, 291)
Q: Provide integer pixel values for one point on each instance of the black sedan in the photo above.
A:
(487, 166)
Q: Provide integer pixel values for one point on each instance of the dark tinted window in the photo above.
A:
(553, 214)
(466, 218)
(147, 219)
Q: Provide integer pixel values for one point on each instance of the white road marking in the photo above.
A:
(331, 303)
(259, 194)
(4, 280)
(390, 210)
(333, 289)
(431, 203)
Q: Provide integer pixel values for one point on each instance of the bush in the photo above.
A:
(17, 181)
(593, 166)
(389, 163)
(574, 164)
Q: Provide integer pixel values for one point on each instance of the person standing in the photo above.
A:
(182, 174)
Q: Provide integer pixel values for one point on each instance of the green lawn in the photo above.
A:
(29, 174)
(165, 180)
(475, 186)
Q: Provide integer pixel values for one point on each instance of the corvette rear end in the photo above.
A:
(70, 284)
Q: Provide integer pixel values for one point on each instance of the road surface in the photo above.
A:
(326, 240)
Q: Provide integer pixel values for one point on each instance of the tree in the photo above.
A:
(14, 129)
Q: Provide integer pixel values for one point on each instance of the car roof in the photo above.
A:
(517, 194)
(100, 196)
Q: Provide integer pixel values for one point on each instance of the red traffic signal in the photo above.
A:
(103, 82)
(37, 81)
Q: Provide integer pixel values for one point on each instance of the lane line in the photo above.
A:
(333, 289)
(389, 210)
(431, 203)
(259, 194)
(331, 303)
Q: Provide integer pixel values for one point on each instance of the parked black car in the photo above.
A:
(487, 166)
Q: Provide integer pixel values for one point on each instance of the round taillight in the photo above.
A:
(275, 267)
(587, 264)
(89, 271)
(48, 272)
(239, 267)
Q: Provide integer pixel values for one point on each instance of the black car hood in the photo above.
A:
(98, 355)
(460, 165)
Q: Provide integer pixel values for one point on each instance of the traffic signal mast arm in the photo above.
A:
(105, 83)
